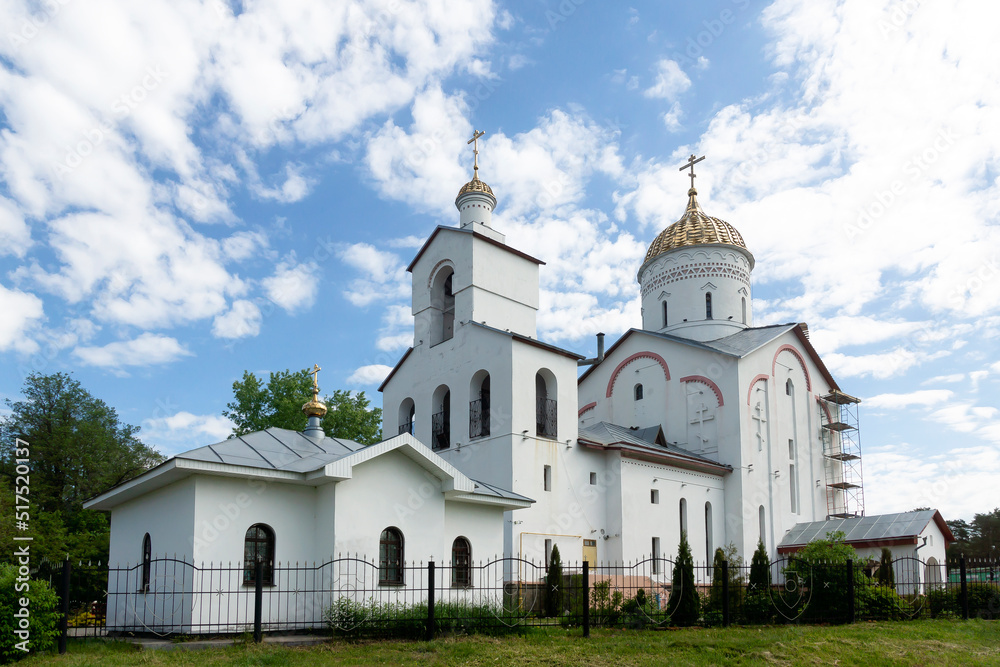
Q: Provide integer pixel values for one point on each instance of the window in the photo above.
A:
(654, 496)
(708, 305)
(789, 387)
(479, 407)
(709, 545)
(684, 516)
(547, 478)
(443, 307)
(665, 320)
(545, 407)
(656, 555)
(791, 449)
(147, 562)
(792, 490)
(593, 478)
(548, 554)
(760, 521)
(744, 310)
(258, 546)
(390, 557)
(461, 563)
(407, 411)
(638, 392)
(441, 419)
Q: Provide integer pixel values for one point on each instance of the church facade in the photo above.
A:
(696, 421)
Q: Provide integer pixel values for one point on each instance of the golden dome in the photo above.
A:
(694, 228)
(314, 408)
(475, 185)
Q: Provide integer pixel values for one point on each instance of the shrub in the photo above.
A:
(605, 608)
(43, 610)
(821, 567)
(879, 603)
(886, 577)
(757, 606)
(554, 585)
(684, 604)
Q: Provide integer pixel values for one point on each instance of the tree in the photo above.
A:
(821, 568)
(886, 577)
(278, 403)
(553, 584)
(757, 607)
(977, 539)
(684, 604)
(77, 448)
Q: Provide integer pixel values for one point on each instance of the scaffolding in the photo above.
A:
(845, 493)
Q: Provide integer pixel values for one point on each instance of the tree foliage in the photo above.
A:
(976, 539)
(886, 576)
(553, 584)
(257, 405)
(684, 603)
(77, 448)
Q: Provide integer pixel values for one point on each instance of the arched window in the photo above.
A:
(665, 320)
(744, 310)
(147, 562)
(390, 557)
(638, 392)
(258, 545)
(708, 305)
(709, 546)
(443, 304)
(684, 515)
(407, 415)
(760, 520)
(479, 406)
(545, 407)
(461, 563)
(789, 387)
(441, 418)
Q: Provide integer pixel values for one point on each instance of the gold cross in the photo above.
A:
(692, 161)
(475, 151)
(315, 374)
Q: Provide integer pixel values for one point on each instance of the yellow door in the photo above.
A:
(590, 551)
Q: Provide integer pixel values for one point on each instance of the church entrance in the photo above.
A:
(590, 552)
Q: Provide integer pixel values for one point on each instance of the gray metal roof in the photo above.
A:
(606, 433)
(275, 449)
(861, 529)
(482, 488)
(738, 344)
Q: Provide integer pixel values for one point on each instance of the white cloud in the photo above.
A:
(293, 286)
(672, 118)
(519, 60)
(383, 274)
(923, 398)
(294, 188)
(242, 320)
(145, 350)
(15, 236)
(183, 430)
(950, 379)
(21, 311)
(670, 81)
(369, 375)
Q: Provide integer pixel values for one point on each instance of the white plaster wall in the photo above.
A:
(482, 525)
(682, 277)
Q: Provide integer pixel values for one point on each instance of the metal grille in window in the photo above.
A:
(406, 427)
(461, 563)
(479, 418)
(440, 430)
(390, 557)
(259, 545)
(545, 417)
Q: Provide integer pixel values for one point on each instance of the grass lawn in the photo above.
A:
(974, 642)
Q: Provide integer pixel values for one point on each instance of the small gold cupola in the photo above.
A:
(315, 409)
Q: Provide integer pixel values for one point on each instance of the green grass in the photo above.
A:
(940, 642)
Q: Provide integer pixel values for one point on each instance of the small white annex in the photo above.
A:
(286, 497)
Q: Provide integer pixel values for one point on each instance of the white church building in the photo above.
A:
(497, 444)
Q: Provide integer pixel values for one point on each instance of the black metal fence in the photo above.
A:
(344, 596)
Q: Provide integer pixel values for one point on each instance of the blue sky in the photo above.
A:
(191, 190)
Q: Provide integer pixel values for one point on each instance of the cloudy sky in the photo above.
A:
(191, 190)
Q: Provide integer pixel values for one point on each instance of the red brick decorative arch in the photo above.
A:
(797, 355)
(754, 381)
(588, 407)
(708, 383)
(826, 409)
(638, 355)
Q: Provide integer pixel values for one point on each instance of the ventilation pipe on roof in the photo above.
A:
(600, 353)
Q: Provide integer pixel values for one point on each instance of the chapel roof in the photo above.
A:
(631, 441)
(694, 228)
(475, 185)
(872, 530)
(275, 448)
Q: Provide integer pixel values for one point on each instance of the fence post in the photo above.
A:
(64, 594)
(586, 598)
(725, 594)
(964, 596)
(850, 591)
(430, 601)
(258, 599)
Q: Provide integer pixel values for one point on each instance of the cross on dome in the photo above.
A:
(692, 161)
(475, 152)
